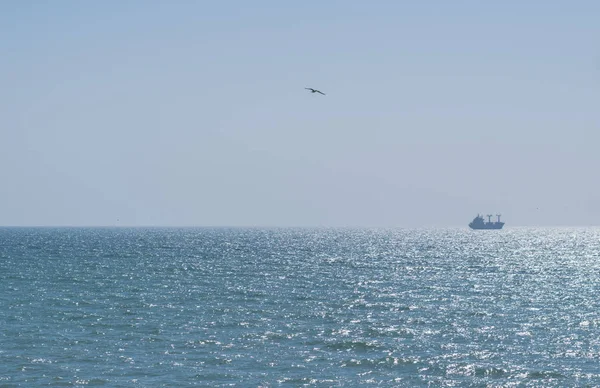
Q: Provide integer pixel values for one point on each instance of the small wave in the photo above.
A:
(544, 375)
(391, 331)
(308, 381)
(490, 372)
(41, 361)
(353, 345)
(389, 361)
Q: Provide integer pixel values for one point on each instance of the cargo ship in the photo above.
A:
(479, 223)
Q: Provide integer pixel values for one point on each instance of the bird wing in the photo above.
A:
(310, 89)
(318, 91)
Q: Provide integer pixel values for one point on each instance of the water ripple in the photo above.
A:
(315, 307)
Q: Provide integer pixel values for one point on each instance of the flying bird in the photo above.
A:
(314, 91)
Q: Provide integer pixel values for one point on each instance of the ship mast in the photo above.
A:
(489, 216)
(498, 215)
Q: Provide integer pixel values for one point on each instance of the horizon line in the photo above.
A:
(287, 226)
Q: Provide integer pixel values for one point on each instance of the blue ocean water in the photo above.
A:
(299, 307)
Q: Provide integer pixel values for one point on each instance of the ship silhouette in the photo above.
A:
(479, 223)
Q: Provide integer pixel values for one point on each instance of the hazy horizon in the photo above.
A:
(195, 114)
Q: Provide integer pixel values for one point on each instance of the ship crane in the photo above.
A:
(489, 216)
(498, 215)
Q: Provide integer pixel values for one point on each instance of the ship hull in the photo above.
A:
(487, 226)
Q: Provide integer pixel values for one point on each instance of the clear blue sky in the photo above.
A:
(195, 113)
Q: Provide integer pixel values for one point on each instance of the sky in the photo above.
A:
(194, 113)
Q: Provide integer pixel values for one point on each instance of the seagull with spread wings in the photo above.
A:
(314, 91)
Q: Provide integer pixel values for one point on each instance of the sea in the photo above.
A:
(315, 307)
